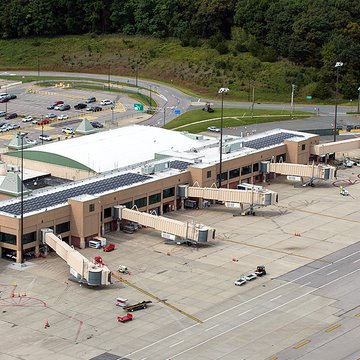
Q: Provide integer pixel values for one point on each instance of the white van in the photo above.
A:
(96, 244)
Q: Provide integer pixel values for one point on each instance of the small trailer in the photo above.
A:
(138, 306)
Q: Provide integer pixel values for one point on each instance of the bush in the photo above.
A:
(222, 48)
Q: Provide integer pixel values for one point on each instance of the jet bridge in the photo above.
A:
(171, 229)
(81, 269)
(255, 196)
(323, 172)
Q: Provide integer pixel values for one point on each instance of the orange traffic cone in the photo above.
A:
(46, 324)
(234, 259)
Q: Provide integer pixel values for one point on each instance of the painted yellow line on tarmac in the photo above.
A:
(333, 328)
(357, 314)
(302, 344)
(119, 107)
(87, 117)
(157, 298)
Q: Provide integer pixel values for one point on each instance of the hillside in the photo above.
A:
(200, 68)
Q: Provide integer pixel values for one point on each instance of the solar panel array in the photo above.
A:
(35, 203)
(269, 140)
(179, 165)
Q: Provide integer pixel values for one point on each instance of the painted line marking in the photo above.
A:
(275, 298)
(236, 306)
(358, 315)
(333, 328)
(332, 272)
(244, 312)
(181, 341)
(213, 327)
(354, 262)
(303, 285)
(143, 358)
(260, 315)
(302, 344)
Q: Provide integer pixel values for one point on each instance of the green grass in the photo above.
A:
(198, 120)
(197, 71)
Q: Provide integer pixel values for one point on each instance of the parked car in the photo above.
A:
(240, 281)
(4, 100)
(96, 124)
(251, 276)
(50, 116)
(213, 129)
(106, 102)
(11, 116)
(31, 142)
(11, 96)
(67, 130)
(63, 107)
(62, 117)
(80, 106)
(45, 137)
(59, 102)
(13, 126)
(27, 119)
(90, 100)
(2, 113)
(94, 108)
(109, 247)
(42, 122)
(51, 106)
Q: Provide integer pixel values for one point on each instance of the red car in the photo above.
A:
(42, 122)
(125, 318)
(110, 247)
(11, 116)
(4, 100)
(58, 102)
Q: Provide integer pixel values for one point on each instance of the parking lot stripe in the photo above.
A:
(181, 341)
(332, 272)
(157, 298)
(244, 312)
(275, 298)
(354, 262)
(332, 328)
(213, 327)
(302, 344)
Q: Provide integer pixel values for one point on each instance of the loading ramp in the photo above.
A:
(311, 171)
(171, 229)
(255, 196)
(82, 269)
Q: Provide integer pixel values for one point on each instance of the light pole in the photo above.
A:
(150, 98)
(42, 131)
(359, 100)
(338, 65)
(21, 135)
(136, 73)
(221, 91)
(292, 105)
(109, 77)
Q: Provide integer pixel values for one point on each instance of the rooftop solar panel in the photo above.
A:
(179, 165)
(34, 203)
(269, 140)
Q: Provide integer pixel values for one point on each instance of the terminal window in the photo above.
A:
(208, 174)
(91, 207)
(168, 192)
(155, 198)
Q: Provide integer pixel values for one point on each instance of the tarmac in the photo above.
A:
(308, 243)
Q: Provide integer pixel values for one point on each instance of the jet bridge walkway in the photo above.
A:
(312, 171)
(172, 229)
(81, 268)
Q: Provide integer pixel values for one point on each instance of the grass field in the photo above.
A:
(196, 121)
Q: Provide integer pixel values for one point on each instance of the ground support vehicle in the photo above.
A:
(138, 306)
(240, 281)
(109, 247)
(260, 270)
(123, 269)
(125, 318)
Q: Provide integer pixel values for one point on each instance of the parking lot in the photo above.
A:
(201, 313)
(33, 101)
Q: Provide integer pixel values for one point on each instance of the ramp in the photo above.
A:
(80, 267)
(195, 232)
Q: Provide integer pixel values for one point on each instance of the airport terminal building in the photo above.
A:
(132, 166)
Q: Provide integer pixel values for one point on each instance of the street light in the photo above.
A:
(292, 99)
(21, 135)
(359, 100)
(150, 98)
(338, 65)
(221, 91)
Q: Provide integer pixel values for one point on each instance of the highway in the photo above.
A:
(264, 315)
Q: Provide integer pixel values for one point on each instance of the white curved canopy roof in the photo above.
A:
(108, 150)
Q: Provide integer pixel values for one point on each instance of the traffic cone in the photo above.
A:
(234, 259)
(46, 324)
(168, 253)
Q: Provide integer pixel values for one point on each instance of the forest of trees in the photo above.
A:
(314, 33)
